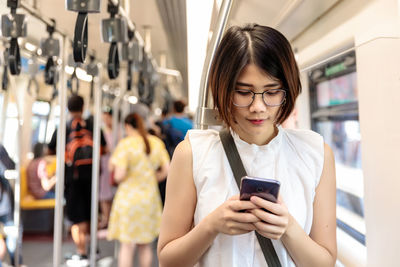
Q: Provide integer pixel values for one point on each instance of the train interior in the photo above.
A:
(348, 56)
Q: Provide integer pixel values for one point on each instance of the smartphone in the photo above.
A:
(267, 189)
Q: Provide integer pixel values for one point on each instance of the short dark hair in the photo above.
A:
(75, 103)
(38, 150)
(263, 46)
(179, 106)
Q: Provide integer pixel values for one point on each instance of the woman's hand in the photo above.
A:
(272, 224)
(230, 219)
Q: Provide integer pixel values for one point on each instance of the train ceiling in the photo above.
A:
(167, 21)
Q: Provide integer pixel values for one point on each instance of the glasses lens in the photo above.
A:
(274, 97)
(242, 98)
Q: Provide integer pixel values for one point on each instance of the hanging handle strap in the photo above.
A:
(238, 172)
(81, 37)
(54, 94)
(129, 79)
(14, 57)
(70, 83)
(113, 61)
(4, 82)
(49, 71)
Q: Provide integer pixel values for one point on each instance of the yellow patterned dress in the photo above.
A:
(136, 209)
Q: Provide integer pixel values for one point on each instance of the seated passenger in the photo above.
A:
(40, 179)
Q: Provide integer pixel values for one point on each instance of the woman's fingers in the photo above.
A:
(235, 197)
(244, 217)
(275, 208)
(269, 230)
(268, 217)
(235, 227)
(241, 205)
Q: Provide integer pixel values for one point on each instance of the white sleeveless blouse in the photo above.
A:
(293, 157)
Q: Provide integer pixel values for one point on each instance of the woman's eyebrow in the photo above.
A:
(270, 85)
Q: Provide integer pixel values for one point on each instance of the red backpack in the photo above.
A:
(79, 146)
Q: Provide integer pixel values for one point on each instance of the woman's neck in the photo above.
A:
(260, 139)
(132, 132)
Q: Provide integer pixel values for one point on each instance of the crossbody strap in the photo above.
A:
(238, 171)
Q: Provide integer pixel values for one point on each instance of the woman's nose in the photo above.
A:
(258, 104)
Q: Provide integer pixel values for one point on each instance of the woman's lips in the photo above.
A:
(256, 122)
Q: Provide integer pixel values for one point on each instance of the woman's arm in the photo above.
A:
(319, 248)
(119, 174)
(46, 182)
(179, 244)
(162, 172)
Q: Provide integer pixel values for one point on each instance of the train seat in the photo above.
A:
(29, 202)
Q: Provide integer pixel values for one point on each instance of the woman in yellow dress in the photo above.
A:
(139, 161)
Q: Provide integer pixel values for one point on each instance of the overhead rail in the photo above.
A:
(35, 13)
(206, 116)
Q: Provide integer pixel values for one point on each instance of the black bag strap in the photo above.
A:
(238, 171)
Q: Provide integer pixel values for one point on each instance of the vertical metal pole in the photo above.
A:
(17, 187)
(95, 172)
(58, 216)
(115, 122)
(3, 116)
(216, 38)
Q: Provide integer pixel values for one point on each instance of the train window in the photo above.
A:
(334, 114)
(40, 117)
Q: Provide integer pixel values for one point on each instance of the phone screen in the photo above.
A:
(267, 189)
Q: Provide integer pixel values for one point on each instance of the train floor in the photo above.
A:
(37, 251)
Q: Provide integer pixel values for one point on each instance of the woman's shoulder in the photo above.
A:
(154, 140)
(128, 142)
(304, 138)
(209, 134)
(307, 146)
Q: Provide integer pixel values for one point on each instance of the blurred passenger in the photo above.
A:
(106, 192)
(136, 209)
(7, 208)
(254, 81)
(176, 126)
(6, 163)
(3, 247)
(40, 181)
(78, 174)
(13, 236)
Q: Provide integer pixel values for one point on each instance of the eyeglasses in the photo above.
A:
(272, 98)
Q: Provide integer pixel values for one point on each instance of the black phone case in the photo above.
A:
(267, 189)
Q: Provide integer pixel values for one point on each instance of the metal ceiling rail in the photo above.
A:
(35, 13)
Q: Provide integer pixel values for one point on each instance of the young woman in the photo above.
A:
(136, 209)
(254, 82)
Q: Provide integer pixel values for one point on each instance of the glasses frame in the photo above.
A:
(262, 96)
